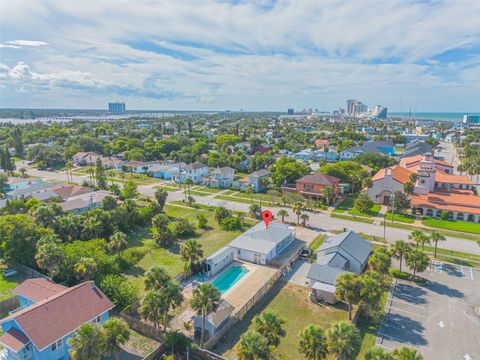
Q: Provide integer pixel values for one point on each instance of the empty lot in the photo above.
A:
(439, 317)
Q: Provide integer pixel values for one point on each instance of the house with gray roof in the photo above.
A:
(213, 321)
(346, 252)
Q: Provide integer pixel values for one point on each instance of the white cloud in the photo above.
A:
(27, 43)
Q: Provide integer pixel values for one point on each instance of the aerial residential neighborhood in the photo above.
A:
(239, 180)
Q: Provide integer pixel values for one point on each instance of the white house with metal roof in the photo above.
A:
(257, 245)
(346, 252)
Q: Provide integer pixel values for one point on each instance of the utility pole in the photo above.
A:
(385, 227)
(393, 203)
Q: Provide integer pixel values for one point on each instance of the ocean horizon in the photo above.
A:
(452, 116)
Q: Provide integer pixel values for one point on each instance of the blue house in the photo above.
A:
(48, 317)
(166, 170)
(255, 180)
(20, 183)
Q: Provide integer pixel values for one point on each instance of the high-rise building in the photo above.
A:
(351, 106)
(116, 108)
(471, 119)
(290, 112)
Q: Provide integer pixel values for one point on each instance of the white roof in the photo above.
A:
(263, 240)
(323, 287)
(219, 254)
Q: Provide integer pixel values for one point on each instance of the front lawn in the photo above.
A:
(464, 226)
(351, 218)
(168, 257)
(286, 301)
(346, 204)
(403, 218)
(372, 213)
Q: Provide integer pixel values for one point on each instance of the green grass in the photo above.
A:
(352, 218)
(346, 204)
(473, 228)
(264, 197)
(168, 257)
(286, 302)
(209, 190)
(403, 218)
(235, 199)
(457, 234)
(372, 213)
(315, 244)
(456, 257)
(7, 284)
(198, 193)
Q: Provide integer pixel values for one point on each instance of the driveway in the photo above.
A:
(299, 274)
(440, 318)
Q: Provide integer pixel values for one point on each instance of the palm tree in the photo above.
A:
(304, 218)
(417, 261)
(406, 353)
(435, 237)
(282, 213)
(170, 296)
(328, 194)
(347, 290)
(86, 268)
(419, 237)
(49, 253)
(151, 307)
(69, 167)
(377, 353)
(298, 209)
(313, 343)
(87, 344)
(399, 249)
(116, 333)
(252, 346)
(191, 252)
(269, 325)
(23, 171)
(205, 300)
(343, 340)
(156, 278)
(249, 191)
(118, 242)
(188, 182)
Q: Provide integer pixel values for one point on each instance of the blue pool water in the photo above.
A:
(229, 278)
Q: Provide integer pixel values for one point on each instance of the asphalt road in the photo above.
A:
(321, 220)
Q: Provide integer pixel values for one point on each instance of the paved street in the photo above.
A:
(446, 152)
(321, 221)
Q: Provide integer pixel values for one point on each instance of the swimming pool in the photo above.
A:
(229, 278)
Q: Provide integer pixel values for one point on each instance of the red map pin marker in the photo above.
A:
(267, 217)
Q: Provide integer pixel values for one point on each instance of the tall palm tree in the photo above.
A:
(49, 253)
(116, 333)
(298, 209)
(118, 242)
(283, 213)
(269, 324)
(328, 194)
(23, 171)
(151, 307)
(399, 249)
(406, 353)
(191, 252)
(170, 296)
(87, 344)
(252, 346)
(417, 260)
(343, 340)
(69, 167)
(205, 299)
(419, 237)
(435, 237)
(188, 183)
(313, 343)
(249, 191)
(156, 278)
(377, 353)
(304, 218)
(348, 290)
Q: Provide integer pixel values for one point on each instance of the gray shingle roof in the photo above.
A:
(262, 240)
(350, 242)
(324, 273)
(259, 173)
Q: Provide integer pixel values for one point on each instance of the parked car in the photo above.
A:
(306, 253)
(10, 273)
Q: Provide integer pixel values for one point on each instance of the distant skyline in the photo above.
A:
(251, 55)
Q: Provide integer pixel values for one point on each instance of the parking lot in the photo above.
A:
(439, 318)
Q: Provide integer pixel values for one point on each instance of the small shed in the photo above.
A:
(219, 260)
(215, 320)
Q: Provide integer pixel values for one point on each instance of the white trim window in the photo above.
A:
(57, 345)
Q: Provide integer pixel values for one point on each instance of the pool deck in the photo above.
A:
(240, 293)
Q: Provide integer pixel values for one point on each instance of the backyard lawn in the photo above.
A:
(7, 284)
(286, 302)
(452, 225)
(211, 240)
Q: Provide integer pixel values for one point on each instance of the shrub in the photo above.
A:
(202, 221)
(119, 290)
(130, 257)
(231, 224)
(406, 276)
(182, 228)
(444, 215)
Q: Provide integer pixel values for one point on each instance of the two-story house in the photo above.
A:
(48, 317)
(196, 172)
(220, 177)
(87, 158)
(313, 185)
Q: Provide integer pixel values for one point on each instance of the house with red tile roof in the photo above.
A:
(435, 189)
(41, 329)
(312, 186)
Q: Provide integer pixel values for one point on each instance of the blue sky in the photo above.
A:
(251, 55)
